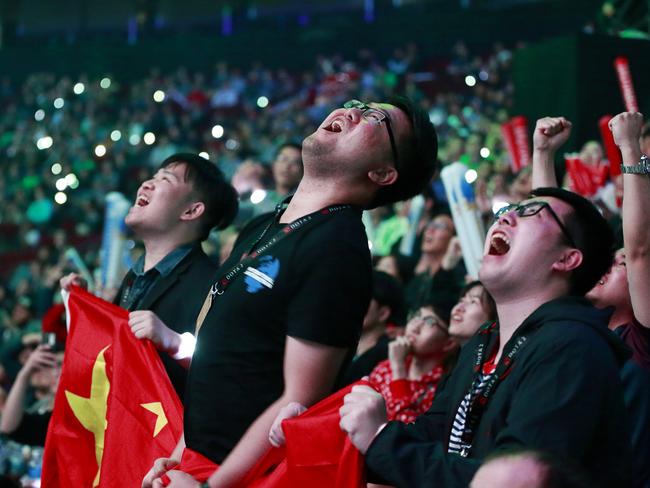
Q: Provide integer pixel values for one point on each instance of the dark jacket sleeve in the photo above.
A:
(546, 411)
(414, 455)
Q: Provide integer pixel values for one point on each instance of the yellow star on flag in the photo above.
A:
(91, 411)
(161, 420)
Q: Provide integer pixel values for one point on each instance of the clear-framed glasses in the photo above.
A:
(430, 320)
(532, 208)
(376, 116)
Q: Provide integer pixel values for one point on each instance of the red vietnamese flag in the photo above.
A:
(114, 407)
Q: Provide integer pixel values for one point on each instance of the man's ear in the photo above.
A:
(384, 312)
(384, 176)
(570, 260)
(193, 211)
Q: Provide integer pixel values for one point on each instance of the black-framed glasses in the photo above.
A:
(532, 208)
(376, 116)
(430, 320)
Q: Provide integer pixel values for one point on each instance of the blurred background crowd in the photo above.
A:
(68, 139)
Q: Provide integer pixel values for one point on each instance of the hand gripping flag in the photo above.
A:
(115, 410)
(317, 454)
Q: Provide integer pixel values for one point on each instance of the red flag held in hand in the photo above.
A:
(115, 410)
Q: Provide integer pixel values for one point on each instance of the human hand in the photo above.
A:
(453, 254)
(551, 133)
(177, 479)
(40, 358)
(147, 325)
(362, 414)
(276, 434)
(398, 349)
(72, 279)
(160, 467)
(626, 129)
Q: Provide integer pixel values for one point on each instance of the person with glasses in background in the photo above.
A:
(544, 376)
(416, 362)
(286, 309)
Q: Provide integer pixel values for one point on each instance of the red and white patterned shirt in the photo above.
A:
(405, 399)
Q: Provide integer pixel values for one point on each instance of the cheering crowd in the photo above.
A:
(537, 373)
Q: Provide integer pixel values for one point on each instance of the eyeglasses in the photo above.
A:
(533, 208)
(376, 116)
(430, 320)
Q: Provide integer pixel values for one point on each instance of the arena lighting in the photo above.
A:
(232, 144)
(71, 179)
(470, 176)
(75, 184)
(149, 138)
(484, 152)
(159, 96)
(100, 150)
(134, 139)
(61, 184)
(105, 83)
(60, 198)
(217, 131)
(204, 155)
(56, 168)
(470, 80)
(39, 115)
(262, 102)
(496, 206)
(258, 196)
(483, 75)
(44, 142)
(116, 135)
(78, 88)
(58, 103)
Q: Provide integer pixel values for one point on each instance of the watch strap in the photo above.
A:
(641, 168)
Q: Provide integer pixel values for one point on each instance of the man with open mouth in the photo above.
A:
(544, 376)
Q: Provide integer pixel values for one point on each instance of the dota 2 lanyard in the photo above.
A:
(219, 287)
(480, 399)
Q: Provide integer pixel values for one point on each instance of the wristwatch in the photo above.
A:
(641, 168)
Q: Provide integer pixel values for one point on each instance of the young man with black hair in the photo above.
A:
(386, 307)
(173, 213)
(289, 303)
(625, 286)
(287, 173)
(544, 376)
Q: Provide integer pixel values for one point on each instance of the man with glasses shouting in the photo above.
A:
(544, 376)
(286, 308)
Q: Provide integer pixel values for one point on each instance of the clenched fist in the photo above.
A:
(551, 133)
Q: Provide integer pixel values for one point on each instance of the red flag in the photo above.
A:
(317, 454)
(515, 137)
(115, 407)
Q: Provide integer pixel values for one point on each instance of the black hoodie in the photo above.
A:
(563, 395)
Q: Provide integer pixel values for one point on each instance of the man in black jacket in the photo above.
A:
(544, 377)
(173, 213)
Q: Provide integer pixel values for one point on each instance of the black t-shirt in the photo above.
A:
(315, 284)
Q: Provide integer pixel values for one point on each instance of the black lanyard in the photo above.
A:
(479, 402)
(219, 287)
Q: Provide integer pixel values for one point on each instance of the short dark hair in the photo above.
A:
(387, 291)
(418, 156)
(210, 186)
(591, 233)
